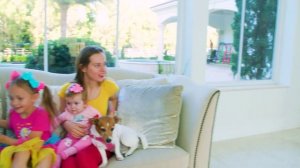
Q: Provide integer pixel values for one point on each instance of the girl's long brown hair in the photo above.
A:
(49, 105)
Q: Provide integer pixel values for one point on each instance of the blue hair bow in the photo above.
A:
(28, 76)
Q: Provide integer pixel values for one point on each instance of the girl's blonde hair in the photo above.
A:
(47, 98)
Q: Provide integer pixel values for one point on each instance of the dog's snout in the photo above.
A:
(108, 140)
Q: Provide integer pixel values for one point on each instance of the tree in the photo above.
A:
(15, 24)
(64, 5)
(258, 40)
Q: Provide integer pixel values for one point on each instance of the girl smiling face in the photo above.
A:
(21, 100)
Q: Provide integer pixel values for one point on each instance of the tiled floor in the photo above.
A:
(274, 150)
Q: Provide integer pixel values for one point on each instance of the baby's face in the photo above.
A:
(75, 104)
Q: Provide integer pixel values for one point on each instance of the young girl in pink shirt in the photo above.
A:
(31, 124)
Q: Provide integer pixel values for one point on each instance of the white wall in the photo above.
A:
(261, 110)
(255, 110)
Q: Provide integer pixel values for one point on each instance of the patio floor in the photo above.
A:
(218, 73)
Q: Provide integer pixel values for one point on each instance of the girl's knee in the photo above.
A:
(46, 162)
(20, 159)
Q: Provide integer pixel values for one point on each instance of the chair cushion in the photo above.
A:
(153, 158)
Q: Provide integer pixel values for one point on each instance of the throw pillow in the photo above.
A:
(152, 110)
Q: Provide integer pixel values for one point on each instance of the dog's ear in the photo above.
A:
(117, 119)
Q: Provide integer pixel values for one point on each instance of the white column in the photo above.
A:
(160, 41)
(45, 38)
(117, 52)
(191, 39)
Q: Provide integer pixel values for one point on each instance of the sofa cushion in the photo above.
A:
(119, 73)
(153, 110)
(142, 82)
(153, 158)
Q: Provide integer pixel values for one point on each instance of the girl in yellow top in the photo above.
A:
(101, 93)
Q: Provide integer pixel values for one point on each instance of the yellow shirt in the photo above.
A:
(108, 89)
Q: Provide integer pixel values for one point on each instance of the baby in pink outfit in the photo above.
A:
(79, 112)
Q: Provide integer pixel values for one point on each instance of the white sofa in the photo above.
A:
(196, 121)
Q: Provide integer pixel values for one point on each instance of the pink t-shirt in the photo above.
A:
(80, 118)
(38, 120)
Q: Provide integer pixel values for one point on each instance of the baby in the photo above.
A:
(76, 111)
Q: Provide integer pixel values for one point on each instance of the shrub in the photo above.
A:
(168, 57)
(60, 58)
(18, 58)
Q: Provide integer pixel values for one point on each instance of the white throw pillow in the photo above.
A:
(153, 110)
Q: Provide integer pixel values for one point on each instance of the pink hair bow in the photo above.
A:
(14, 75)
(41, 86)
(75, 88)
(27, 76)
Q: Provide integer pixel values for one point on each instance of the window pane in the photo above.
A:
(146, 30)
(73, 25)
(148, 35)
(258, 40)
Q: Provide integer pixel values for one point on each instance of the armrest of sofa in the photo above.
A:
(197, 120)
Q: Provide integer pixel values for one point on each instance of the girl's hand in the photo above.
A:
(3, 123)
(2, 138)
(7, 140)
(76, 130)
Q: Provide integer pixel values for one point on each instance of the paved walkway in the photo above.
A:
(218, 72)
